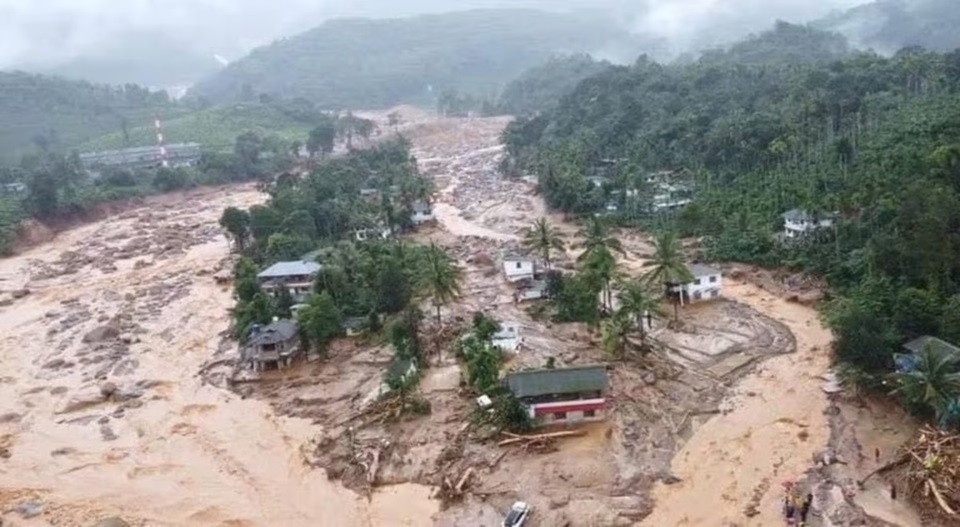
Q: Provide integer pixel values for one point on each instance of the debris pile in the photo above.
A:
(931, 471)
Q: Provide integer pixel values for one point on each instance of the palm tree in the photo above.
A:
(601, 269)
(614, 338)
(636, 303)
(668, 267)
(935, 381)
(441, 277)
(543, 238)
(596, 237)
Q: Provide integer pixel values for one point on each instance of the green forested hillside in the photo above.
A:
(377, 63)
(39, 112)
(874, 139)
(541, 87)
(214, 128)
(889, 25)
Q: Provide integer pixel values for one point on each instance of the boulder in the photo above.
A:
(20, 293)
(81, 401)
(29, 509)
(107, 389)
(101, 334)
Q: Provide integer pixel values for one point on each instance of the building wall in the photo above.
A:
(792, 229)
(516, 270)
(569, 412)
(708, 288)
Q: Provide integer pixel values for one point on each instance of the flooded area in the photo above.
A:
(104, 413)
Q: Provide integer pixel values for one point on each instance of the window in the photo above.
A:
(519, 265)
(714, 293)
(589, 413)
(713, 279)
(559, 416)
(696, 282)
(697, 295)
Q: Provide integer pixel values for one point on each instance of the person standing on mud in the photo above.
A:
(805, 509)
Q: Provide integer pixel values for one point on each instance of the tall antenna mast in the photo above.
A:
(163, 148)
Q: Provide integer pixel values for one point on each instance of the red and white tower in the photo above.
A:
(163, 147)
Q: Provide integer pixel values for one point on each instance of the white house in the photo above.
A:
(707, 284)
(517, 267)
(296, 276)
(530, 289)
(422, 213)
(797, 223)
(382, 232)
(670, 197)
(508, 339)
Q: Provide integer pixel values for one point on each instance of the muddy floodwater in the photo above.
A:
(128, 307)
(104, 412)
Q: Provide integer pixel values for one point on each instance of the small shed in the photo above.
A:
(508, 338)
(518, 267)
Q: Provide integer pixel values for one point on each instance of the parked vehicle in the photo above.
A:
(517, 516)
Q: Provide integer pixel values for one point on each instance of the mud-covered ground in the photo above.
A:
(104, 412)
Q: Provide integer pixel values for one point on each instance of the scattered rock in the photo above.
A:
(107, 389)
(101, 334)
(670, 479)
(6, 302)
(649, 377)
(107, 433)
(127, 338)
(19, 293)
(559, 501)
(80, 402)
(104, 420)
(29, 509)
(10, 418)
(64, 451)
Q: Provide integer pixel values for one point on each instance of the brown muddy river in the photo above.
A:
(165, 449)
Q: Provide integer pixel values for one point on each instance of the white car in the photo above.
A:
(517, 516)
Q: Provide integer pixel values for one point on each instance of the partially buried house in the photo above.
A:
(562, 395)
(273, 346)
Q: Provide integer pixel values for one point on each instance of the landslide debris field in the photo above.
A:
(116, 396)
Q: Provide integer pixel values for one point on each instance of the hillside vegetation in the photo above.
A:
(214, 128)
(541, 87)
(874, 139)
(52, 113)
(889, 25)
(377, 63)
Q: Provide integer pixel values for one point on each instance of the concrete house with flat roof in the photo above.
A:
(296, 276)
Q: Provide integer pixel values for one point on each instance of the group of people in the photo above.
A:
(795, 506)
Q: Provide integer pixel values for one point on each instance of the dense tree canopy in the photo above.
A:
(788, 119)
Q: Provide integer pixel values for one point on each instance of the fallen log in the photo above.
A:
(940, 501)
(895, 463)
(463, 480)
(541, 437)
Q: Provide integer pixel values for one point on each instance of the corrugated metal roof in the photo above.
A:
(298, 268)
(916, 345)
(558, 381)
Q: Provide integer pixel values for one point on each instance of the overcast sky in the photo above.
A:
(45, 31)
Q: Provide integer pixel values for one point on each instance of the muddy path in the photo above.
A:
(103, 413)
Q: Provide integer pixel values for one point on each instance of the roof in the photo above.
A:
(421, 207)
(916, 345)
(297, 268)
(700, 270)
(279, 331)
(400, 367)
(802, 215)
(567, 380)
(514, 256)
